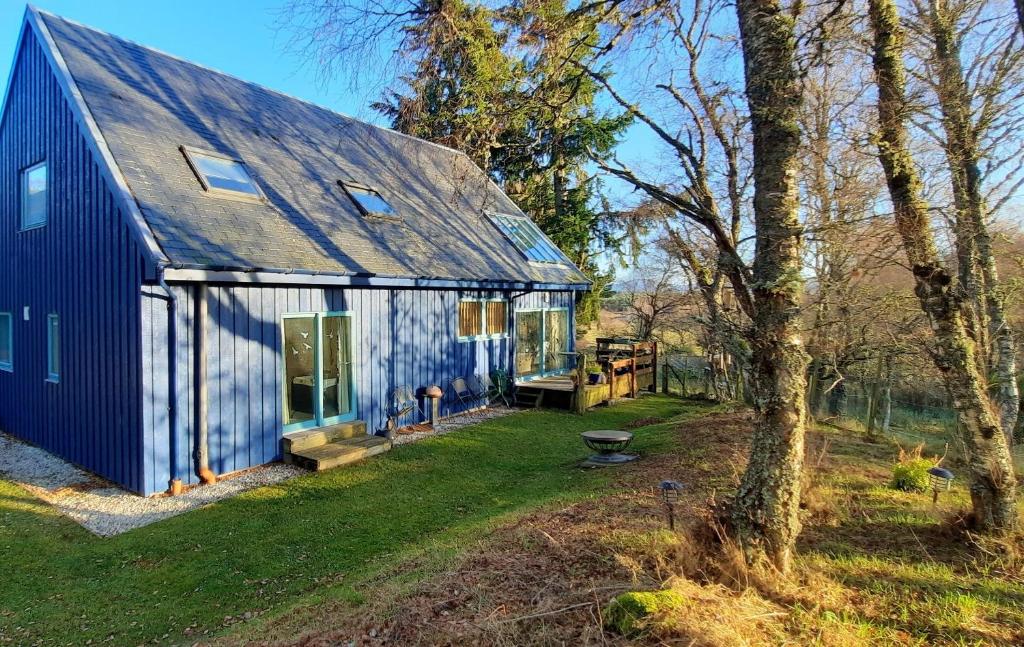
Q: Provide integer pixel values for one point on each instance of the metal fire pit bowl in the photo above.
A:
(609, 445)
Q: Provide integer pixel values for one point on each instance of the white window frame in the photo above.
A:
(52, 375)
(189, 152)
(23, 206)
(483, 336)
(8, 365)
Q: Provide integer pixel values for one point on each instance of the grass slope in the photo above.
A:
(316, 536)
(874, 566)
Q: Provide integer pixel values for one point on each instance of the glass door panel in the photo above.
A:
(336, 389)
(529, 342)
(300, 371)
(556, 340)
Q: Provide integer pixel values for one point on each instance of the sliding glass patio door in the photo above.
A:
(542, 341)
(318, 385)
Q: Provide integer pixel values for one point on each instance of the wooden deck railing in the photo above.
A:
(628, 360)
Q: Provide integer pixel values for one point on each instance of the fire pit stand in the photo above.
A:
(609, 445)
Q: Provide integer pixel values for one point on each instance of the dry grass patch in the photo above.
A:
(874, 565)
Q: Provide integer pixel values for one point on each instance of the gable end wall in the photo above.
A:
(86, 267)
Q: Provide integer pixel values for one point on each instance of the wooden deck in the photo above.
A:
(627, 366)
(557, 392)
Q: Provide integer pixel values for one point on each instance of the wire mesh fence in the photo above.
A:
(690, 376)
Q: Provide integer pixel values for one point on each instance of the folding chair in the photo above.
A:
(402, 402)
(466, 394)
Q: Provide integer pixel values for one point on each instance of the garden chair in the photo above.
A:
(401, 403)
(466, 394)
(501, 387)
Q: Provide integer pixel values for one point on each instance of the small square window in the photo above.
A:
(369, 201)
(220, 174)
(52, 348)
(6, 341)
(34, 191)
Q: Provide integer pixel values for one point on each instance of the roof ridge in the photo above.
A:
(214, 70)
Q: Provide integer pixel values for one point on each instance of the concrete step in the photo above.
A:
(339, 452)
(298, 441)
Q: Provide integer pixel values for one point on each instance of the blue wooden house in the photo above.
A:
(195, 269)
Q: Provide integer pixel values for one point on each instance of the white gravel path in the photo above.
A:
(104, 508)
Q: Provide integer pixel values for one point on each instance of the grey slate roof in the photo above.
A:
(148, 104)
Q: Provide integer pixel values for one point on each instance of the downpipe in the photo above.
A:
(174, 485)
(202, 454)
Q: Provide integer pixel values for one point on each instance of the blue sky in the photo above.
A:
(233, 36)
(238, 37)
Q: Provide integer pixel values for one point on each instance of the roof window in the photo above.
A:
(369, 201)
(528, 239)
(221, 174)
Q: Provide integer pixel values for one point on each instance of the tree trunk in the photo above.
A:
(766, 509)
(992, 481)
(962, 152)
(1020, 13)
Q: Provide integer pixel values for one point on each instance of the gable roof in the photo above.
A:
(146, 105)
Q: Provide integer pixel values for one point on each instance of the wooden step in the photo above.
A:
(339, 452)
(529, 397)
(309, 438)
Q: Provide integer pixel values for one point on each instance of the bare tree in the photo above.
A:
(991, 470)
(654, 299)
(996, 72)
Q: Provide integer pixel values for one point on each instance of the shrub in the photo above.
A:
(626, 613)
(910, 474)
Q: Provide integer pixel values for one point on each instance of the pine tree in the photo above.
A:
(503, 88)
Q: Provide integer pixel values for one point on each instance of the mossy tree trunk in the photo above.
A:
(766, 508)
(992, 482)
(963, 153)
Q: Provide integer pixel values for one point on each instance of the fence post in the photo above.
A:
(873, 402)
(664, 378)
(632, 378)
(654, 369)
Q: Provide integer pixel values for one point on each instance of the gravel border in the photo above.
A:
(456, 422)
(102, 507)
(106, 509)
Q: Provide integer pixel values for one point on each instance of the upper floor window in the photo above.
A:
(369, 201)
(528, 239)
(6, 341)
(221, 174)
(34, 191)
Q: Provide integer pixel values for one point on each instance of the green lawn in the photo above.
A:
(316, 536)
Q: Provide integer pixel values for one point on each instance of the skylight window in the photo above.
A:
(528, 238)
(220, 174)
(369, 201)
